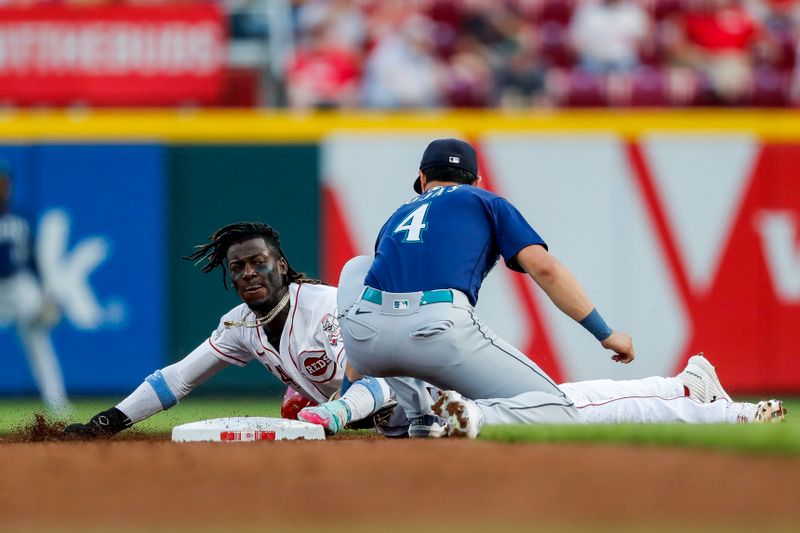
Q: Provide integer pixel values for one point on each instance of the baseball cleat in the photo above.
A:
(333, 416)
(763, 412)
(427, 426)
(700, 379)
(463, 416)
(769, 412)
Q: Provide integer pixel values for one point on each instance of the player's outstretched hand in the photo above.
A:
(103, 425)
(621, 345)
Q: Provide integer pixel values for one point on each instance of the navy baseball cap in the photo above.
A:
(448, 153)
(5, 169)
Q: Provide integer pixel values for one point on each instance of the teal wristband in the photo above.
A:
(595, 324)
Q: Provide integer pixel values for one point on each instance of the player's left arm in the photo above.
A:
(160, 391)
(566, 292)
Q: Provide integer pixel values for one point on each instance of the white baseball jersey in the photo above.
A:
(311, 355)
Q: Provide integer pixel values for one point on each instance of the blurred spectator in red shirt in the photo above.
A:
(322, 73)
(717, 37)
(607, 34)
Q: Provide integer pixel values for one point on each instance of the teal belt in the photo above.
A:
(428, 297)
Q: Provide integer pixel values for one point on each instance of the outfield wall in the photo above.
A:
(682, 226)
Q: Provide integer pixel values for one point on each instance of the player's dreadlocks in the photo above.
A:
(215, 250)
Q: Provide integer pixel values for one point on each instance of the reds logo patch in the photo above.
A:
(317, 366)
(332, 330)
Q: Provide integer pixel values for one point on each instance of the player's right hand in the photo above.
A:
(621, 345)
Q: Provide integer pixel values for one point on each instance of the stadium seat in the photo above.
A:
(554, 45)
(585, 89)
(662, 9)
(703, 94)
(769, 88)
(648, 88)
(788, 43)
(241, 88)
(559, 11)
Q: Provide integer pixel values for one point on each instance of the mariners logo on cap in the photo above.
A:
(454, 159)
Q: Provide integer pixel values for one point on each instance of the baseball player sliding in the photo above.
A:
(409, 312)
(287, 322)
(22, 301)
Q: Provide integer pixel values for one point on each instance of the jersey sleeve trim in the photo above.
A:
(512, 261)
(220, 352)
(518, 232)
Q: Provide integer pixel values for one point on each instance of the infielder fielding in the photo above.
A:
(22, 301)
(410, 311)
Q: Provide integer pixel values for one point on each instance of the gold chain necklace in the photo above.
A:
(260, 321)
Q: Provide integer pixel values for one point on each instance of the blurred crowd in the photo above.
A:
(523, 53)
(506, 53)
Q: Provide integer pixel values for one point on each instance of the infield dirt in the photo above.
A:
(360, 484)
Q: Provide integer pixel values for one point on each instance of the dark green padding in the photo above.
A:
(213, 185)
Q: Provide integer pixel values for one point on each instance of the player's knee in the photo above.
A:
(358, 264)
(351, 281)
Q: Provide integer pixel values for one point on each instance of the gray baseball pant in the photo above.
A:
(447, 345)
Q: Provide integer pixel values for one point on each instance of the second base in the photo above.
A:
(246, 429)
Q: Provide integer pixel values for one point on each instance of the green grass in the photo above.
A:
(781, 438)
(16, 414)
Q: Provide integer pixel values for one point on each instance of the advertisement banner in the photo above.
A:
(112, 55)
(97, 211)
(689, 242)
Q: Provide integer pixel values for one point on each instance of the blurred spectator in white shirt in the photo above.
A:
(402, 71)
(607, 34)
(344, 21)
(322, 73)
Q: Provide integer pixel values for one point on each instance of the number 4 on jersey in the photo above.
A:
(413, 224)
